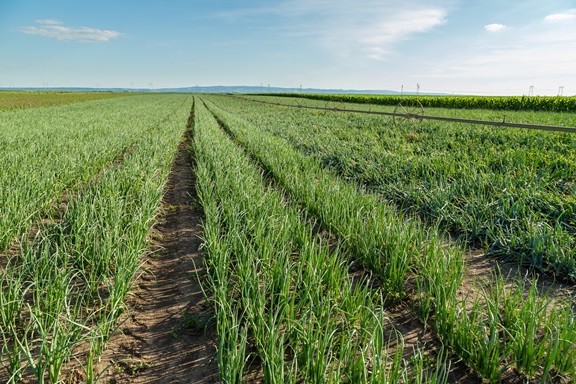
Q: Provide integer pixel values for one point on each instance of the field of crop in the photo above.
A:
(81, 185)
(378, 190)
(511, 191)
(501, 103)
(338, 247)
(31, 99)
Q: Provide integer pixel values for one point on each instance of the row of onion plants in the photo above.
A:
(491, 328)
(285, 303)
(511, 192)
(66, 288)
(46, 151)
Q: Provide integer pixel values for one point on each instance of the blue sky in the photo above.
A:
(454, 46)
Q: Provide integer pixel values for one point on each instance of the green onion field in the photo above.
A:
(324, 233)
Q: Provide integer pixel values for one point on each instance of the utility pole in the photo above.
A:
(417, 89)
(401, 89)
(531, 90)
(560, 90)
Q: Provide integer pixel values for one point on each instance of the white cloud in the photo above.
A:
(54, 29)
(348, 28)
(371, 28)
(380, 38)
(558, 17)
(49, 22)
(376, 35)
(494, 27)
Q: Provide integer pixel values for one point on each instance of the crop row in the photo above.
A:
(512, 192)
(66, 288)
(46, 151)
(490, 328)
(282, 289)
(503, 103)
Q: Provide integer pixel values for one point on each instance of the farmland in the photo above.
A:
(80, 187)
(510, 190)
(501, 103)
(324, 235)
(10, 100)
(396, 248)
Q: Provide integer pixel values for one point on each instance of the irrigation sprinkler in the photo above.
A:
(339, 106)
(408, 112)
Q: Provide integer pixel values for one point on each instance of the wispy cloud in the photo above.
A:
(369, 28)
(559, 17)
(494, 27)
(380, 37)
(49, 22)
(56, 30)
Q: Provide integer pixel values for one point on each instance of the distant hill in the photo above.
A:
(266, 89)
(210, 89)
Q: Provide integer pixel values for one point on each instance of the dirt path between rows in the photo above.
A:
(169, 335)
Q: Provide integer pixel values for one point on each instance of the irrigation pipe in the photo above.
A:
(502, 123)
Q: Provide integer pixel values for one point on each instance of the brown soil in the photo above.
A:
(415, 336)
(481, 271)
(169, 335)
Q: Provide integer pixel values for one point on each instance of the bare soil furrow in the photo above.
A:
(169, 334)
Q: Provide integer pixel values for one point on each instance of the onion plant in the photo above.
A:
(48, 151)
(280, 288)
